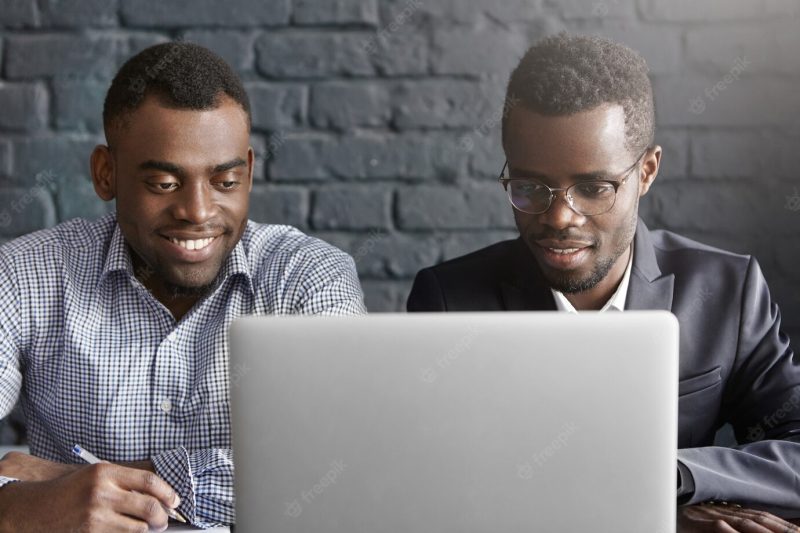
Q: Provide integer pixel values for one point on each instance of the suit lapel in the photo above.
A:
(524, 289)
(648, 288)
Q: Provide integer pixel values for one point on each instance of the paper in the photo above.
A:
(183, 527)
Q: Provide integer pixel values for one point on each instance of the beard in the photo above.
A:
(568, 282)
(181, 291)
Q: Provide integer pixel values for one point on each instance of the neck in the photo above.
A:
(178, 305)
(595, 298)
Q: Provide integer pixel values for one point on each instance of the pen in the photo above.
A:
(92, 459)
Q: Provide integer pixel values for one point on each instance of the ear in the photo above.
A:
(251, 164)
(650, 165)
(103, 174)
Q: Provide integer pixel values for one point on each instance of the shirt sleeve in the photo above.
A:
(685, 484)
(204, 481)
(10, 375)
(328, 283)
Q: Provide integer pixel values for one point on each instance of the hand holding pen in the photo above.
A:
(90, 458)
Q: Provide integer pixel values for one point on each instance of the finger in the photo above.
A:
(147, 483)
(143, 508)
(770, 521)
(746, 520)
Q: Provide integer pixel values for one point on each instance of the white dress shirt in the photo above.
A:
(615, 303)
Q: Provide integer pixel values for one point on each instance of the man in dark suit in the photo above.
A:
(579, 141)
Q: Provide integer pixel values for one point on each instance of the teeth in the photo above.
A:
(564, 251)
(197, 244)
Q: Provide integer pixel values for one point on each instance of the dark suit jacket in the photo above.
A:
(735, 364)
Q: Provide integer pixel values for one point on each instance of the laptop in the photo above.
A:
(459, 422)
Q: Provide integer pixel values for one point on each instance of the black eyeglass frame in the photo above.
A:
(616, 183)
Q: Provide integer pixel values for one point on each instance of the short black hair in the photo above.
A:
(565, 74)
(182, 75)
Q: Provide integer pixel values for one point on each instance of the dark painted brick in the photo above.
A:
(675, 155)
(77, 13)
(312, 54)
(23, 210)
(17, 13)
(234, 46)
(186, 13)
(595, 9)
(62, 155)
(5, 157)
(313, 12)
(276, 106)
(767, 49)
(279, 205)
(75, 197)
(32, 56)
(447, 103)
(692, 11)
(459, 206)
(351, 208)
(79, 105)
(462, 12)
(458, 244)
(385, 296)
(697, 101)
(345, 105)
(368, 156)
(719, 154)
(721, 204)
(24, 106)
(476, 51)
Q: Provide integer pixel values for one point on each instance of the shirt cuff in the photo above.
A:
(685, 484)
(6, 480)
(173, 467)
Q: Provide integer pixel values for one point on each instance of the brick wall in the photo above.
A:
(376, 122)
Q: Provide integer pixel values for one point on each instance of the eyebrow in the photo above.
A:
(583, 176)
(172, 168)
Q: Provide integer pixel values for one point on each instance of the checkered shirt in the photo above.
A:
(96, 360)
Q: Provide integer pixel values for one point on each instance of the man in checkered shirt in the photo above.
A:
(113, 332)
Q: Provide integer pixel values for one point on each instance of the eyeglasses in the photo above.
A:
(587, 198)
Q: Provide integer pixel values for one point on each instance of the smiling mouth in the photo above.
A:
(192, 244)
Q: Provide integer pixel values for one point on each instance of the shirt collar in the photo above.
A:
(615, 303)
(118, 259)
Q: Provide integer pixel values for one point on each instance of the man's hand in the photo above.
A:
(29, 468)
(730, 519)
(96, 498)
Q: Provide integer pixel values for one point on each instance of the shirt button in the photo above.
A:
(166, 405)
(172, 336)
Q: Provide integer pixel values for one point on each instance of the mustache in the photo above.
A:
(561, 236)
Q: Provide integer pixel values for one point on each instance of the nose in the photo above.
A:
(194, 204)
(560, 215)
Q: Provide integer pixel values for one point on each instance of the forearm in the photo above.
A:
(204, 481)
(762, 474)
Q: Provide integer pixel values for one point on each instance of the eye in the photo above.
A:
(228, 185)
(164, 186)
(593, 190)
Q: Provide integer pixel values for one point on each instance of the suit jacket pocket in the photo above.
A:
(700, 382)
